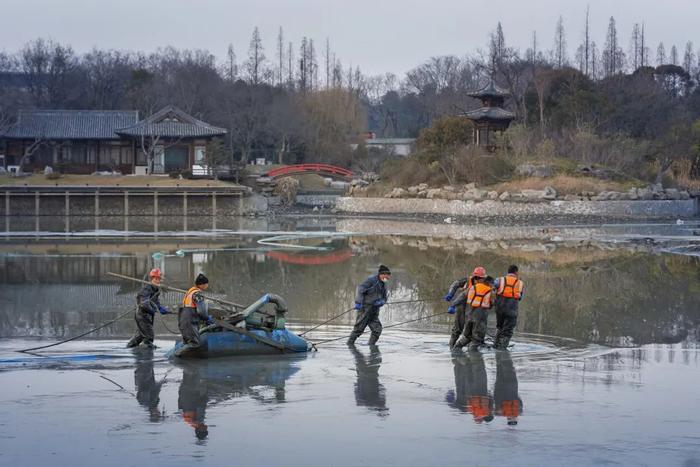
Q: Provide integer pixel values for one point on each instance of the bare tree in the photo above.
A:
(644, 49)
(586, 51)
(613, 57)
(231, 67)
(559, 53)
(595, 61)
(660, 54)
(635, 48)
(256, 58)
(688, 57)
(280, 57)
(327, 57)
(673, 57)
(290, 66)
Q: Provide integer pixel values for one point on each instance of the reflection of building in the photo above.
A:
(85, 141)
(205, 383)
(369, 392)
(490, 118)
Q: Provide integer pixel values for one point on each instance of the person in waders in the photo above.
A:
(148, 304)
(370, 297)
(456, 296)
(509, 292)
(478, 301)
(194, 309)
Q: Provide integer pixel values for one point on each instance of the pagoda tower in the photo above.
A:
(491, 117)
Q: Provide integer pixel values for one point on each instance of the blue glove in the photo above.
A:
(358, 306)
(379, 302)
(163, 310)
(451, 310)
(449, 297)
(210, 320)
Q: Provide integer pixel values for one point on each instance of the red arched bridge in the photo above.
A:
(323, 169)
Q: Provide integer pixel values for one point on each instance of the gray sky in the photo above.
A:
(377, 35)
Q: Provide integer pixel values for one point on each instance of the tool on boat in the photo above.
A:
(175, 289)
(104, 325)
(351, 309)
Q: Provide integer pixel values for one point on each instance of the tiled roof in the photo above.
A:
(71, 124)
(489, 113)
(172, 122)
(371, 141)
(489, 90)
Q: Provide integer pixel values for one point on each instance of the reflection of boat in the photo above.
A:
(311, 259)
(206, 383)
(254, 331)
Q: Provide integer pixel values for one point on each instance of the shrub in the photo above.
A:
(175, 174)
(53, 176)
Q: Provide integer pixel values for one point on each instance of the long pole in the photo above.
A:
(348, 311)
(175, 289)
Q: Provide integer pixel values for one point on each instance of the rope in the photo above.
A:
(79, 336)
(163, 322)
(385, 327)
(351, 309)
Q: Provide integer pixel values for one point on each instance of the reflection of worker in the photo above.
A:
(370, 297)
(456, 295)
(478, 301)
(194, 309)
(148, 303)
(369, 392)
(471, 388)
(192, 401)
(509, 292)
(505, 391)
(147, 390)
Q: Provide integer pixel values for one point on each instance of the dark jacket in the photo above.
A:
(458, 284)
(370, 290)
(200, 311)
(148, 299)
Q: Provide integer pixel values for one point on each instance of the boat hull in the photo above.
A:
(228, 344)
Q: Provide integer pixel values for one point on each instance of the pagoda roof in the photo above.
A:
(171, 122)
(489, 90)
(490, 113)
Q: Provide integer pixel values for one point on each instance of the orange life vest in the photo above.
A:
(510, 287)
(479, 406)
(188, 301)
(510, 408)
(479, 295)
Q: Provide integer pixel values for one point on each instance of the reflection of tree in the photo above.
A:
(369, 392)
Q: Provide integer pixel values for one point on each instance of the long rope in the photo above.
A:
(351, 309)
(79, 336)
(385, 327)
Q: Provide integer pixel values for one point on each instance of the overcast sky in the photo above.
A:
(377, 35)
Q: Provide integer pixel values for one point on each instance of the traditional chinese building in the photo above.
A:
(85, 141)
(491, 117)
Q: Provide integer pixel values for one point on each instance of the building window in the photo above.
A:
(200, 155)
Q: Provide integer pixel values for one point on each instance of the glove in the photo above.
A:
(163, 310)
(449, 297)
(358, 306)
(379, 302)
(210, 320)
(451, 310)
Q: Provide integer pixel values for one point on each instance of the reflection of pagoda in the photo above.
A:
(491, 117)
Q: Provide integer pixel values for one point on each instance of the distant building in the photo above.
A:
(394, 146)
(490, 118)
(85, 141)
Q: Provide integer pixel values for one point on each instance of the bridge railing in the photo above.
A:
(318, 168)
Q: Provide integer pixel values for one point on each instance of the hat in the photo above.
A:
(201, 279)
(384, 270)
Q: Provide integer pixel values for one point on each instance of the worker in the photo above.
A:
(509, 292)
(370, 297)
(194, 309)
(478, 302)
(147, 305)
(457, 293)
(505, 391)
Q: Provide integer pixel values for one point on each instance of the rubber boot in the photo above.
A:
(351, 340)
(461, 342)
(373, 339)
(452, 342)
(132, 343)
(505, 342)
(473, 347)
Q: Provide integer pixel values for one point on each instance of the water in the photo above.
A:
(604, 367)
